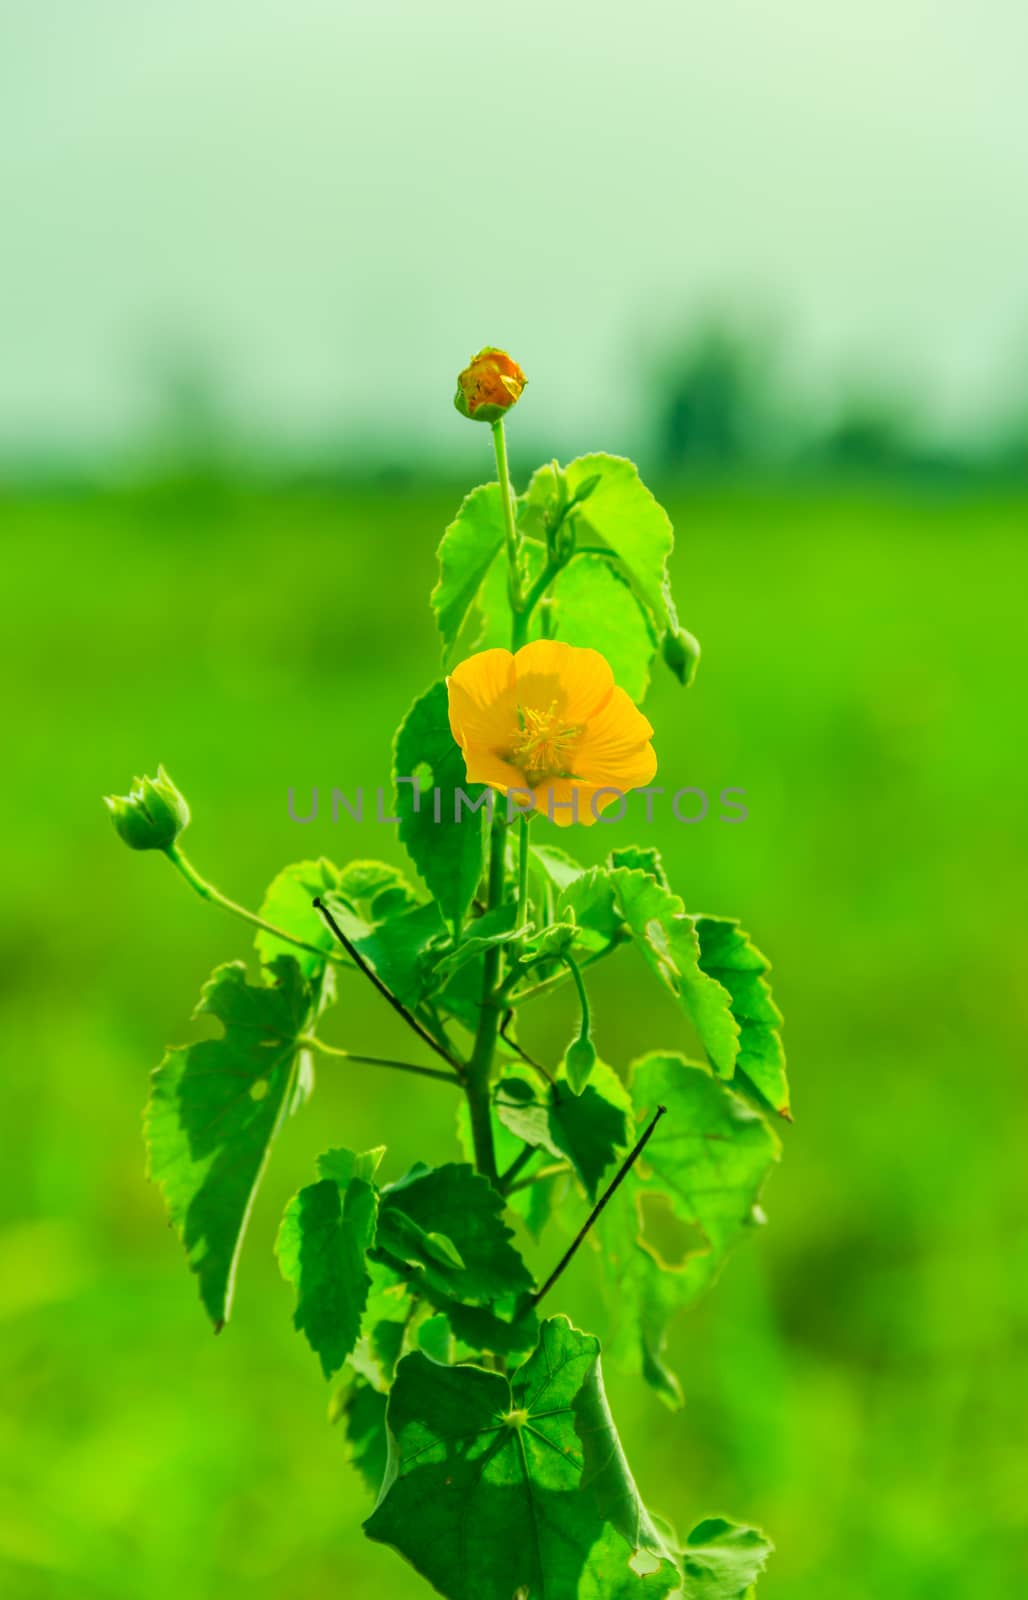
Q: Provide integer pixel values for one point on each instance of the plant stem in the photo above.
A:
(324, 1049)
(554, 1170)
(615, 1183)
(518, 1165)
(537, 1066)
(583, 998)
(401, 1010)
(208, 892)
(476, 1082)
(549, 984)
(522, 871)
(510, 527)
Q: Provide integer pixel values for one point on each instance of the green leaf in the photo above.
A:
(589, 901)
(214, 1110)
(497, 1488)
(669, 1228)
(326, 1231)
(449, 855)
(288, 904)
(587, 1129)
(469, 546)
(640, 858)
(532, 1204)
(401, 949)
(387, 1318)
(362, 1411)
(594, 605)
(727, 954)
(374, 890)
(723, 1560)
(666, 935)
(496, 927)
(555, 864)
(623, 514)
(454, 1201)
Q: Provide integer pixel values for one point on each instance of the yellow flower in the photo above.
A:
(551, 722)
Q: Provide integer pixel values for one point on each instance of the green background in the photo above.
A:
(855, 1383)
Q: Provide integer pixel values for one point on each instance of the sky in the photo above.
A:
(324, 208)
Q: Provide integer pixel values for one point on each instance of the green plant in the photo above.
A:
(478, 1420)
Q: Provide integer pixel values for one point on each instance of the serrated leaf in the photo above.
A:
(388, 1314)
(468, 548)
(640, 858)
(362, 1411)
(727, 954)
(682, 1208)
(666, 936)
(455, 1201)
(214, 1110)
(327, 1229)
(374, 889)
(589, 901)
(587, 1129)
(448, 854)
(723, 1560)
(497, 1488)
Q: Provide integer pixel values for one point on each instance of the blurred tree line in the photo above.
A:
(722, 403)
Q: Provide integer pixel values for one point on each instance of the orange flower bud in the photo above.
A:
(489, 385)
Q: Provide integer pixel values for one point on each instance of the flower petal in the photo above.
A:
(484, 767)
(480, 693)
(580, 680)
(614, 749)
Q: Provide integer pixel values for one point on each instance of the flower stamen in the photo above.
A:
(542, 748)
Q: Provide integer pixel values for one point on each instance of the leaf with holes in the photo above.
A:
(723, 1560)
(498, 1487)
(215, 1108)
(667, 1231)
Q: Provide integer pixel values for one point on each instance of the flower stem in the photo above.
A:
(510, 527)
(547, 985)
(476, 1082)
(324, 1049)
(614, 1184)
(208, 892)
(583, 997)
(522, 913)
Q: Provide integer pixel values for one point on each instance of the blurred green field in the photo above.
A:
(856, 1383)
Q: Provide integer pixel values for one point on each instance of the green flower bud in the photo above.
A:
(579, 1062)
(490, 384)
(152, 815)
(682, 654)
